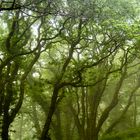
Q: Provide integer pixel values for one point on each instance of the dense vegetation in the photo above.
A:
(69, 69)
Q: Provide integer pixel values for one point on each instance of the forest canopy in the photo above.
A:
(69, 69)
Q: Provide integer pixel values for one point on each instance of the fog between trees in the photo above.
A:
(69, 70)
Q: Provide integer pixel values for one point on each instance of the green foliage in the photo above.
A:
(131, 134)
(77, 60)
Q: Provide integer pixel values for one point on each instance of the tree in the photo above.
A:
(53, 48)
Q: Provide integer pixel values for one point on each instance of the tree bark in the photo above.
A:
(95, 136)
(44, 134)
(5, 129)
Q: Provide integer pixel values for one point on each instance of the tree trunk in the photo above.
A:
(93, 134)
(95, 137)
(5, 130)
(45, 135)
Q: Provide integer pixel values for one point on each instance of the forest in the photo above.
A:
(69, 70)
